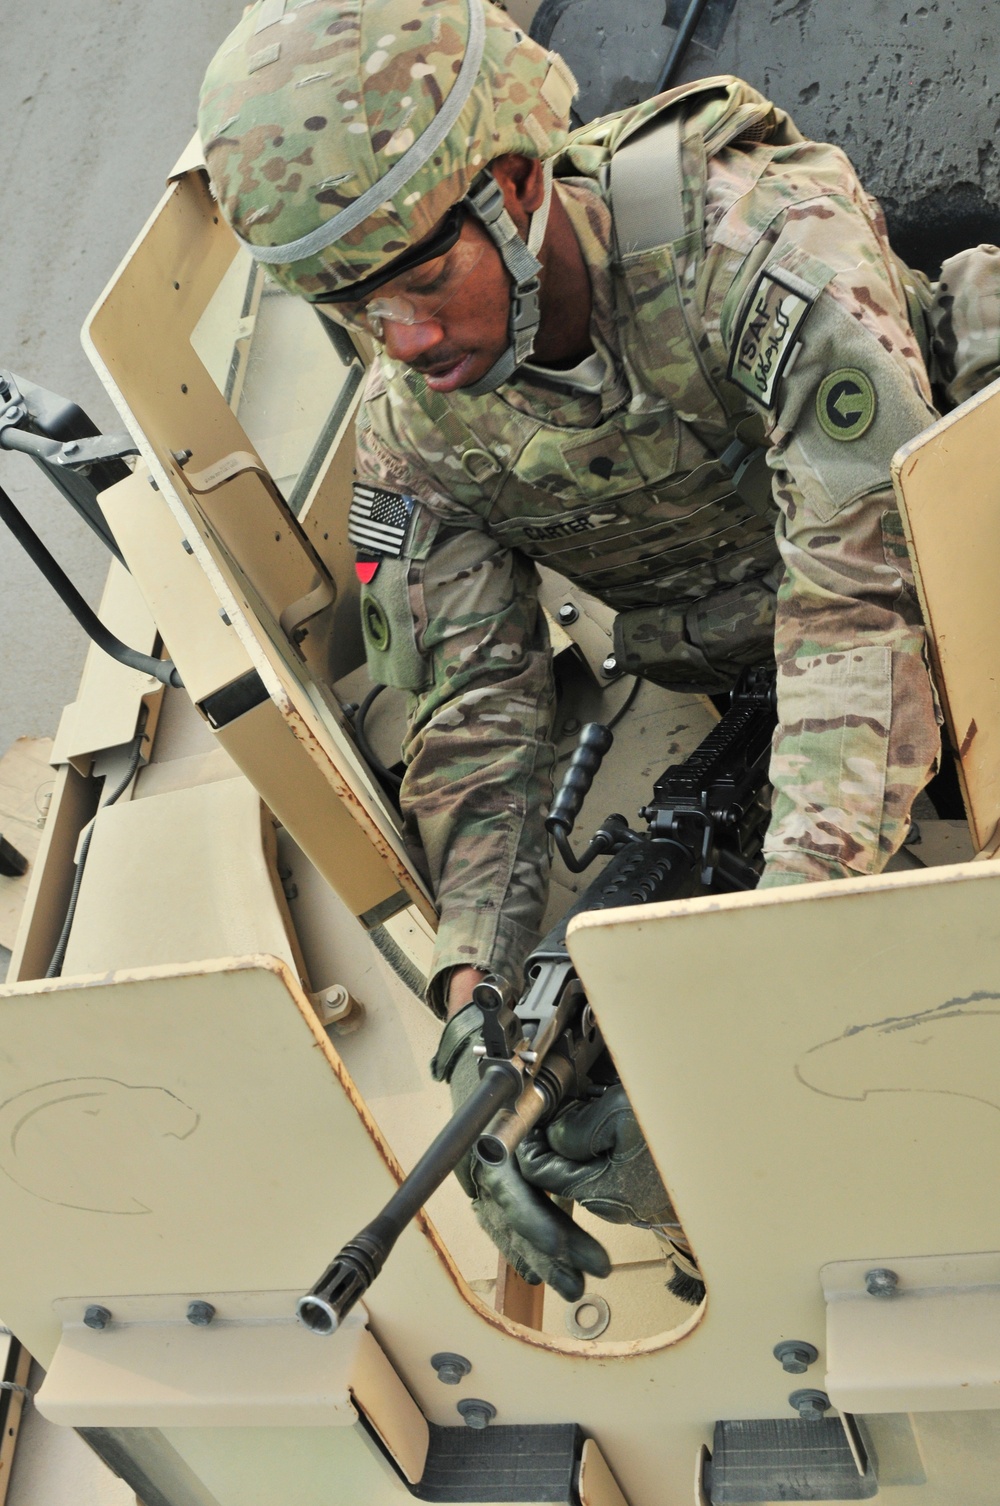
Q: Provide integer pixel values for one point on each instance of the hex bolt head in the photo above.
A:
(881, 1282)
(200, 1314)
(810, 1405)
(567, 613)
(570, 726)
(451, 1368)
(610, 666)
(795, 1355)
(97, 1316)
(477, 1414)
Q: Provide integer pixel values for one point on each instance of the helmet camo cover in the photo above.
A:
(308, 106)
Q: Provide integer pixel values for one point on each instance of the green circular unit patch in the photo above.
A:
(376, 624)
(846, 404)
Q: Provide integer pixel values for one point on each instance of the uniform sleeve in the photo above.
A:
(477, 748)
(809, 316)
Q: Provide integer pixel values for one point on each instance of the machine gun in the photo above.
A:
(705, 827)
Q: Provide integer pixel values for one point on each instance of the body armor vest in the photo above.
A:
(654, 510)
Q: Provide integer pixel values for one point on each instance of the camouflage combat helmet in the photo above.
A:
(338, 133)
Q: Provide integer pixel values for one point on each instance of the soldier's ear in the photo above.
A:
(523, 183)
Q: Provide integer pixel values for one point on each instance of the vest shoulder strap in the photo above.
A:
(646, 183)
(646, 170)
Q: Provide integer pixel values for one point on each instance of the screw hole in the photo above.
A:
(184, 386)
(177, 287)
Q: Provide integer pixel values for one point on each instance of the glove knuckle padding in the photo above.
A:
(595, 1153)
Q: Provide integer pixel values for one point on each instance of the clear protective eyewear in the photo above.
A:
(415, 296)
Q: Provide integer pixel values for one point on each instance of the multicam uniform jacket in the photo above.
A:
(780, 319)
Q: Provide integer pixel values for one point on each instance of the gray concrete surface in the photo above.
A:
(910, 91)
(98, 102)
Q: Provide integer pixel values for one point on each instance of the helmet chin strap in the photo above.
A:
(485, 200)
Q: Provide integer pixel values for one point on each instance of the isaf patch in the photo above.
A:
(766, 336)
(846, 404)
(377, 525)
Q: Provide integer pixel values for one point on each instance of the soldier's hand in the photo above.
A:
(593, 1151)
(540, 1241)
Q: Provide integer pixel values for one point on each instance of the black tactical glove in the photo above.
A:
(593, 1151)
(540, 1241)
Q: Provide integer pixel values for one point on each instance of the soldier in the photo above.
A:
(671, 356)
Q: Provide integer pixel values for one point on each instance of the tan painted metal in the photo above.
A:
(177, 593)
(242, 1048)
(928, 1347)
(598, 1486)
(819, 1103)
(948, 485)
(253, 1365)
(15, 1363)
(380, 1394)
(257, 558)
(209, 656)
(517, 1299)
(111, 696)
(213, 1104)
(207, 891)
(26, 785)
(51, 878)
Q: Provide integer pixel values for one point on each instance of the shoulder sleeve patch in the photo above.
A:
(766, 334)
(846, 404)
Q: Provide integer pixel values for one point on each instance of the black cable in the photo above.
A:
(367, 752)
(626, 705)
(682, 40)
(55, 966)
(160, 669)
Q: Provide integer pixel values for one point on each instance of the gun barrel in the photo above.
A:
(511, 1125)
(353, 1270)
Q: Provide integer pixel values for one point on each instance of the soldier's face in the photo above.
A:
(461, 340)
(449, 317)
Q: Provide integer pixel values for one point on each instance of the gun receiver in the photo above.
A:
(706, 819)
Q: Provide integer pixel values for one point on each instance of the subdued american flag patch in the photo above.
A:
(378, 520)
